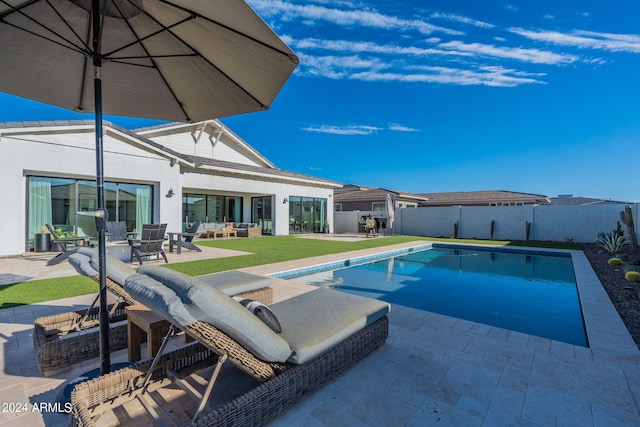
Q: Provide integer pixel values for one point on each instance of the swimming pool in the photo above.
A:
(528, 292)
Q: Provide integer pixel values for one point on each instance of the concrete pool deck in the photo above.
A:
(433, 370)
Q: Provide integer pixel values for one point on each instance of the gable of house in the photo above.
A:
(209, 139)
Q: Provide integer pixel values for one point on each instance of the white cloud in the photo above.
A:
(485, 76)
(369, 47)
(401, 128)
(585, 39)
(343, 130)
(534, 56)
(462, 19)
(311, 14)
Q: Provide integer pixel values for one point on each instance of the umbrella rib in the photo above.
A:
(71, 46)
(154, 65)
(140, 40)
(292, 58)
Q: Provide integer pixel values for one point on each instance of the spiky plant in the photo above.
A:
(611, 242)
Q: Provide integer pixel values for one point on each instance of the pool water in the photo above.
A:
(530, 293)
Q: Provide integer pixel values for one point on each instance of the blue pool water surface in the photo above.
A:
(530, 293)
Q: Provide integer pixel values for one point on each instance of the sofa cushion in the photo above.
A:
(262, 312)
(311, 331)
(208, 304)
(159, 298)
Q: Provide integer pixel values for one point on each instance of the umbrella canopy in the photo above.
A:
(391, 211)
(180, 60)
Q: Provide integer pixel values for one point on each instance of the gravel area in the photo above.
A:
(624, 295)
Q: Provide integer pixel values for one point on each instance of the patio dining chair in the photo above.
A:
(150, 243)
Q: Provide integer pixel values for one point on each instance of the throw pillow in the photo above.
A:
(262, 312)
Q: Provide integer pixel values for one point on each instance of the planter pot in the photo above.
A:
(42, 242)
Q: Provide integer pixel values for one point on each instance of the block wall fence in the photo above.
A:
(543, 222)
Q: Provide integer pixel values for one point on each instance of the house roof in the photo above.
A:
(375, 194)
(487, 196)
(132, 137)
(216, 125)
(265, 172)
(581, 201)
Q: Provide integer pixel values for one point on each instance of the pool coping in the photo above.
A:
(604, 327)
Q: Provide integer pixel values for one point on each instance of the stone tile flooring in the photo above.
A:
(433, 370)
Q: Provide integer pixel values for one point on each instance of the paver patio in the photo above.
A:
(433, 370)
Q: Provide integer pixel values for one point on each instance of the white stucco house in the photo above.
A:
(175, 174)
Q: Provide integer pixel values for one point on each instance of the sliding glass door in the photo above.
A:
(261, 213)
(61, 203)
(307, 214)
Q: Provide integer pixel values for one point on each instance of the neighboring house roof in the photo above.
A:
(482, 197)
(373, 194)
(185, 160)
(566, 200)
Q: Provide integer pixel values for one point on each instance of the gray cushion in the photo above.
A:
(210, 305)
(159, 298)
(117, 270)
(82, 264)
(316, 321)
(235, 282)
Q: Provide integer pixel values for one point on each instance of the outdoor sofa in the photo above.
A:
(323, 333)
(64, 339)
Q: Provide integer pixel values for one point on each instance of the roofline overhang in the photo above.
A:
(233, 171)
(108, 129)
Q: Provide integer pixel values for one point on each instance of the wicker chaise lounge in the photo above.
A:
(323, 333)
(62, 340)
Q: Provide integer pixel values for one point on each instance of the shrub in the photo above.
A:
(632, 276)
(615, 261)
(611, 242)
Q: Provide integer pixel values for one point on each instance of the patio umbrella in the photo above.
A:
(179, 60)
(390, 212)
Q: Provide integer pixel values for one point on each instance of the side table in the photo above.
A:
(141, 318)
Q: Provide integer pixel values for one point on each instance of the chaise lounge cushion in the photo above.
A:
(159, 298)
(235, 282)
(117, 270)
(82, 264)
(316, 321)
(210, 305)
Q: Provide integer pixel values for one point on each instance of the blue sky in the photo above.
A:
(426, 96)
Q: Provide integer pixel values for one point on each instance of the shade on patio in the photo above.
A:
(181, 60)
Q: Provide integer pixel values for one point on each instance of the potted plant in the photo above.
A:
(325, 226)
(42, 240)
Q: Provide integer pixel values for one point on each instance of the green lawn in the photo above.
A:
(262, 251)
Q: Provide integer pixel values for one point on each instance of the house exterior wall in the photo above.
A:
(69, 152)
(548, 222)
(73, 156)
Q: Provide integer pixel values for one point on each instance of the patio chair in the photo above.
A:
(117, 231)
(62, 242)
(150, 243)
(323, 333)
(185, 240)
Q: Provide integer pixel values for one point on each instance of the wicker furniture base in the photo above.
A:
(99, 395)
(287, 384)
(57, 348)
(57, 345)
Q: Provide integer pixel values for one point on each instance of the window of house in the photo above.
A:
(379, 207)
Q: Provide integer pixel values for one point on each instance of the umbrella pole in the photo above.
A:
(101, 213)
